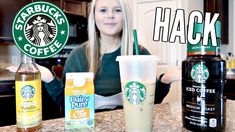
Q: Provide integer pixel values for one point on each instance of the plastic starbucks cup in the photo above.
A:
(138, 78)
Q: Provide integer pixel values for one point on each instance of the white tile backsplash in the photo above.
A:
(9, 55)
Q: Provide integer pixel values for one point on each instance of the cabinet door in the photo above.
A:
(8, 11)
(169, 53)
(221, 7)
(8, 109)
(145, 24)
(55, 2)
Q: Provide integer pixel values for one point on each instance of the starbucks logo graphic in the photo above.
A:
(135, 92)
(199, 73)
(27, 92)
(40, 30)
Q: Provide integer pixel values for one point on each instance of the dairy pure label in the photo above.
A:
(199, 73)
(135, 92)
(79, 101)
(40, 30)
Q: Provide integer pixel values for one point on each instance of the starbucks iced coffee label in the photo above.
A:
(199, 73)
(135, 92)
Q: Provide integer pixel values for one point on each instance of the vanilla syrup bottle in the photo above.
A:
(203, 81)
(28, 96)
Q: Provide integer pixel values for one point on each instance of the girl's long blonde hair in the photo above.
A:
(93, 47)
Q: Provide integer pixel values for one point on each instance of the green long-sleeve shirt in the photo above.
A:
(107, 80)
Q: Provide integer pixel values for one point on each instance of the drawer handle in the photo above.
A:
(8, 95)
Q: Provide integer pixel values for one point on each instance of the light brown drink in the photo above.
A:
(139, 115)
(138, 77)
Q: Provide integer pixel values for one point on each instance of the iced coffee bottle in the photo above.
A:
(203, 81)
(28, 96)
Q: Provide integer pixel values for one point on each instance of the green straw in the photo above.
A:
(136, 42)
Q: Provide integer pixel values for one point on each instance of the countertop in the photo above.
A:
(167, 118)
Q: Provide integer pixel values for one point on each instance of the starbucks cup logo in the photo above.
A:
(135, 92)
(40, 30)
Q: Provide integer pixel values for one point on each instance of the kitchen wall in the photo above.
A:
(193, 5)
(9, 55)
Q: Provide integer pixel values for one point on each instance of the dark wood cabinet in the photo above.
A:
(221, 7)
(58, 3)
(8, 11)
(75, 7)
(50, 109)
(229, 90)
(8, 110)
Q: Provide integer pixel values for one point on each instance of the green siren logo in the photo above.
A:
(135, 92)
(40, 30)
(199, 73)
(27, 91)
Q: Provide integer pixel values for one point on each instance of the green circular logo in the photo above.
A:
(40, 30)
(135, 92)
(199, 73)
(27, 92)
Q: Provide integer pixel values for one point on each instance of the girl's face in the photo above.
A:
(109, 17)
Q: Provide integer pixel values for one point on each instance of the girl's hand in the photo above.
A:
(46, 74)
(171, 75)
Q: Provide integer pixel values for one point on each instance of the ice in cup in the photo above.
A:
(138, 78)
